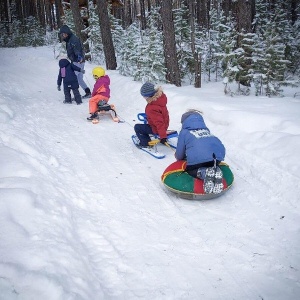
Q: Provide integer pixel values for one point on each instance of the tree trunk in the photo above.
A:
(79, 27)
(40, 7)
(202, 13)
(5, 11)
(197, 71)
(58, 12)
(227, 7)
(48, 16)
(244, 16)
(127, 13)
(108, 46)
(143, 16)
(29, 6)
(171, 61)
(294, 11)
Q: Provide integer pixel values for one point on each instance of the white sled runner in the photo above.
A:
(152, 150)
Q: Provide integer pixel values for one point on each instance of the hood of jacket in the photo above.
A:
(63, 63)
(67, 30)
(158, 98)
(194, 121)
(104, 80)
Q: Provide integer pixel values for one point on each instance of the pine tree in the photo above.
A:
(269, 64)
(244, 76)
(21, 33)
(151, 60)
(94, 36)
(294, 50)
(223, 48)
(34, 34)
(128, 53)
(183, 41)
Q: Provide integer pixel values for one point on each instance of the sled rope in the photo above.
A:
(123, 120)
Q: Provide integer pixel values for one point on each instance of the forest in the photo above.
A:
(244, 43)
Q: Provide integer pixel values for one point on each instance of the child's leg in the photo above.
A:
(142, 131)
(67, 92)
(77, 96)
(93, 104)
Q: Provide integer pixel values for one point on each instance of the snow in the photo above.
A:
(84, 215)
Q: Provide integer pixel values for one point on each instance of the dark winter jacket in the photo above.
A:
(67, 74)
(196, 144)
(74, 47)
(157, 113)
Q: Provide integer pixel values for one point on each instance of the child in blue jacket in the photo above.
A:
(201, 150)
(70, 81)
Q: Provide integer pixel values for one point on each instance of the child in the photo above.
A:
(69, 78)
(157, 115)
(101, 91)
(201, 150)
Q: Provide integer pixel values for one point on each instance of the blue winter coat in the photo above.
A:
(196, 144)
(73, 45)
(67, 74)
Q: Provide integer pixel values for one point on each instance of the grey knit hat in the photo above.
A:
(147, 89)
(189, 113)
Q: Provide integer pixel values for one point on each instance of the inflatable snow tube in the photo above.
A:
(180, 182)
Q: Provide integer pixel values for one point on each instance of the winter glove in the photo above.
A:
(82, 71)
(58, 87)
(163, 141)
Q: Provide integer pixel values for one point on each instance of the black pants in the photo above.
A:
(142, 131)
(68, 98)
(193, 169)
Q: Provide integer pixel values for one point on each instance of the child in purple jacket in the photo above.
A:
(101, 91)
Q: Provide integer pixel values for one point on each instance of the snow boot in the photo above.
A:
(92, 117)
(87, 93)
(213, 180)
(208, 183)
(218, 187)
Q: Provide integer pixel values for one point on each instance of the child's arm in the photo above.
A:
(180, 149)
(75, 68)
(59, 80)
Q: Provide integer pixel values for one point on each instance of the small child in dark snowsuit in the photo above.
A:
(69, 78)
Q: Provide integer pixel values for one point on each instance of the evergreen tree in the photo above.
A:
(169, 44)
(128, 53)
(183, 41)
(213, 53)
(151, 60)
(245, 62)
(270, 64)
(21, 33)
(118, 34)
(223, 48)
(94, 36)
(33, 32)
(294, 51)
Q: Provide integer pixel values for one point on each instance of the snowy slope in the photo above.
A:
(83, 214)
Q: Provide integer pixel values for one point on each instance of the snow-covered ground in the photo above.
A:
(83, 214)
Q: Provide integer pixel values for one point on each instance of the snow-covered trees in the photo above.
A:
(245, 43)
